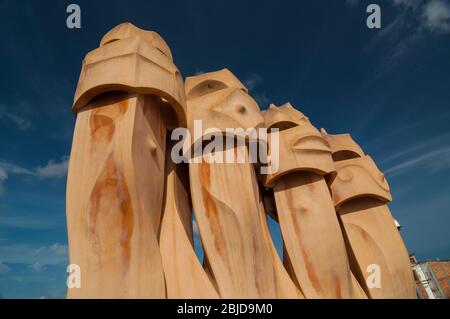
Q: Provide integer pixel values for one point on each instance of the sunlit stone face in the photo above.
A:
(359, 177)
(301, 146)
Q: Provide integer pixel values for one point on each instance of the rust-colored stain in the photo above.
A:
(211, 211)
(256, 267)
(364, 234)
(102, 121)
(205, 179)
(310, 271)
(307, 262)
(127, 217)
(102, 128)
(103, 187)
(111, 188)
(293, 209)
(123, 106)
(295, 206)
(311, 187)
(338, 293)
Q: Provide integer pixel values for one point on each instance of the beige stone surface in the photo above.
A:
(305, 209)
(114, 198)
(128, 95)
(301, 147)
(360, 193)
(226, 197)
(129, 207)
(359, 177)
(133, 61)
(185, 276)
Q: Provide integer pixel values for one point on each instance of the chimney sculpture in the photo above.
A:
(225, 195)
(126, 94)
(360, 195)
(129, 204)
(185, 275)
(314, 245)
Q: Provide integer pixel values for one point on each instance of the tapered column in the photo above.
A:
(377, 253)
(314, 244)
(286, 288)
(127, 92)
(185, 275)
(225, 195)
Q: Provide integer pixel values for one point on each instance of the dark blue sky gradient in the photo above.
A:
(389, 88)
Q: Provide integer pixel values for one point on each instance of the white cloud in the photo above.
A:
(432, 155)
(3, 178)
(388, 34)
(436, 16)
(394, 43)
(27, 222)
(19, 121)
(198, 71)
(37, 266)
(252, 81)
(195, 227)
(36, 257)
(52, 169)
(380, 140)
(418, 148)
(407, 3)
(433, 15)
(404, 3)
(15, 169)
(58, 249)
(4, 268)
(414, 22)
(261, 99)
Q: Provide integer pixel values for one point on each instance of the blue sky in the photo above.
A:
(389, 88)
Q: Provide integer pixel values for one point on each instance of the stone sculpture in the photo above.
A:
(130, 206)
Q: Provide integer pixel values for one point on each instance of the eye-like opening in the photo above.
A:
(162, 52)
(117, 39)
(111, 41)
(344, 155)
(241, 109)
(285, 125)
(206, 87)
